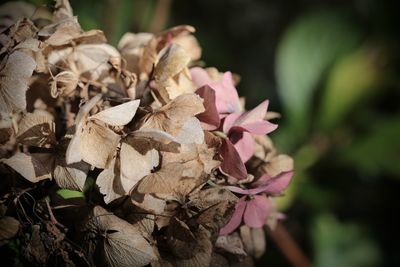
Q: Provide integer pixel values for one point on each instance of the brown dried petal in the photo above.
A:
(33, 167)
(172, 61)
(18, 68)
(36, 130)
(123, 244)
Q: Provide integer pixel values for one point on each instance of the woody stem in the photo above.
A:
(289, 247)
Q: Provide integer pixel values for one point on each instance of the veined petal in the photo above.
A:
(257, 211)
(236, 218)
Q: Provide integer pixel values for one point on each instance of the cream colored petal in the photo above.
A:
(33, 167)
(135, 166)
(97, 144)
(123, 245)
(36, 130)
(118, 115)
(191, 132)
(18, 68)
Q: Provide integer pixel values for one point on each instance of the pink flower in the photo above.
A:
(252, 208)
(240, 126)
(226, 96)
(221, 100)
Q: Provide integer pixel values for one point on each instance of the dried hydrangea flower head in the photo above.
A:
(129, 155)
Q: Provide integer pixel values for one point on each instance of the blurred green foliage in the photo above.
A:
(345, 245)
(308, 48)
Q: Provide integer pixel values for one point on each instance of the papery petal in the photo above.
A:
(257, 211)
(244, 146)
(118, 115)
(232, 163)
(236, 218)
(209, 118)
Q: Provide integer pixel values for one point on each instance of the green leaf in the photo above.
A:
(378, 150)
(345, 245)
(352, 80)
(307, 49)
(66, 193)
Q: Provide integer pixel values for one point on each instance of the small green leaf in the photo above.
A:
(66, 193)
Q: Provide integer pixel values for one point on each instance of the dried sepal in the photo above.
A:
(64, 83)
(36, 130)
(94, 142)
(33, 167)
(16, 70)
(172, 117)
(121, 244)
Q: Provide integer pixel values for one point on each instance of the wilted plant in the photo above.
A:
(130, 156)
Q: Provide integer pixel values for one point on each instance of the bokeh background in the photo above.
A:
(331, 69)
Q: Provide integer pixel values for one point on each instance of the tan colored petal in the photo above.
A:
(18, 68)
(135, 166)
(118, 115)
(123, 244)
(110, 184)
(36, 130)
(172, 61)
(33, 167)
(97, 144)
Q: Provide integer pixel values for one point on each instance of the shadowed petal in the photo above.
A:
(236, 218)
(232, 163)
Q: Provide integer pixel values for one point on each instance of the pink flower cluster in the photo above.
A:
(224, 113)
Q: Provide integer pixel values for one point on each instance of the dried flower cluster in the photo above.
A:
(128, 156)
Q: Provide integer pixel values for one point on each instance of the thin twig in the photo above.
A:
(289, 247)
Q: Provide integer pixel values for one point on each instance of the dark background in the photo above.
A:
(331, 69)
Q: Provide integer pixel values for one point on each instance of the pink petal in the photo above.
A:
(236, 218)
(279, 183)
(209, 118)
(232, 163)
(257, 211)
(262, 181)
(259, 127)
(229, 121)
(256, 114)
(244, 146)
(200, 76)
(266, 184)
(227, 98)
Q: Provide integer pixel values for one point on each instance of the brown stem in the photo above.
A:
(160, 16)
(289, 247)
